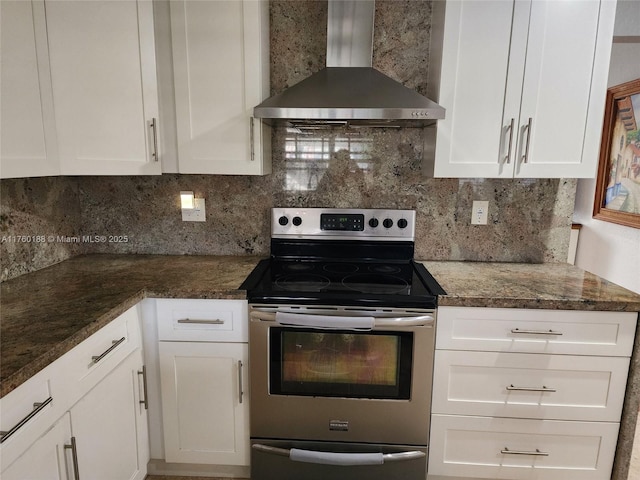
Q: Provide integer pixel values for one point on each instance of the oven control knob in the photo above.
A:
(402, 223)
(297, 221)
(388, 223)
(283, 220)
(373, 223)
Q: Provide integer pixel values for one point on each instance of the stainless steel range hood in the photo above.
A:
(349, 91)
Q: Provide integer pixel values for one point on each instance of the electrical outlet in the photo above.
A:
(196, 214)
(479, 212)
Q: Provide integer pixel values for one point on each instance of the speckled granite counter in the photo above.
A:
(518, 285)
(46, 313)
(551, 286)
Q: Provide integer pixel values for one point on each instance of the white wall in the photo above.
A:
(609, 250)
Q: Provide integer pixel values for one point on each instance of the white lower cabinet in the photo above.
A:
(109, 424)
(528, 394)
(92, 423)
(47, 458)
(204, 401)
(514, 449)
(204, 381)
(565, 387)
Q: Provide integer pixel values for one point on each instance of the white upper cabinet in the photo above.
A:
(103, 74)
(28, 139)
(221, 71)
(524, 84)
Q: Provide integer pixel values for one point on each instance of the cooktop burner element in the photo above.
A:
(340, 268)
(303, 282)
(342, 257)
(376, 283)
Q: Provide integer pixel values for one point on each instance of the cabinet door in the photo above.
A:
(28, 144)
(109, 425)
(564, 88)
(220, 61)
(204, 402)
(104, 86)
(482, 65)
(45, 459)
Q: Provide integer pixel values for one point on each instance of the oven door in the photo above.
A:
(341, 374)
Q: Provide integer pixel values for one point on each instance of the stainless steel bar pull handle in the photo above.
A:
(252, 138)
(154, 136)
(74, 456)
(215, 321)
(342, 459)
(115, 343)
(37, 407)
(530, 389)
(535, 332)
(144, 401)
(416, 321)
(507, 158)
(525, 157)
(240, 380)
(537, 453)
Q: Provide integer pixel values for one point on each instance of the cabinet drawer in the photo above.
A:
(94, 358)
(572, 332)
(561, 387)
(202, 320)
(26, 413)
(501, 448)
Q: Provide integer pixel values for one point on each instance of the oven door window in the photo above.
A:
(330, 363)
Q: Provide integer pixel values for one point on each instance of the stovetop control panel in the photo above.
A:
(337, 223)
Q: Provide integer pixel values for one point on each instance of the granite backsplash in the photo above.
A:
(529, 220)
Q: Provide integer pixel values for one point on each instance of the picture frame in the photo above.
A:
(617, 197)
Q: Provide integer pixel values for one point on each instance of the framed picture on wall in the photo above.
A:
(617, 196)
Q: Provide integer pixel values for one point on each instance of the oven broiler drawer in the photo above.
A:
(303, 460)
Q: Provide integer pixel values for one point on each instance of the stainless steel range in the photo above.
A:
(342, 333)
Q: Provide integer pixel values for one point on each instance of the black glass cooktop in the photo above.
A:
(330, 282)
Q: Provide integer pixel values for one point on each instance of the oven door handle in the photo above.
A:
(342, 459)
(411, 321)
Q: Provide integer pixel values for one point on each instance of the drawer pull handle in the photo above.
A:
(531, 389)
(536, 453)
(115, 343)
(144, 402)
(192, 321)
(37, 407)
(535, 332)
(74, 455)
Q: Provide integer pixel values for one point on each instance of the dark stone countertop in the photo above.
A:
(45, 314)
(554, 286)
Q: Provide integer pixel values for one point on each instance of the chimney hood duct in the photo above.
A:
(349, 91)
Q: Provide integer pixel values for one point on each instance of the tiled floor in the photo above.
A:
(634, 468)
(157, 477)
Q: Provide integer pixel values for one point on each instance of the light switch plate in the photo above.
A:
(196, 214)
